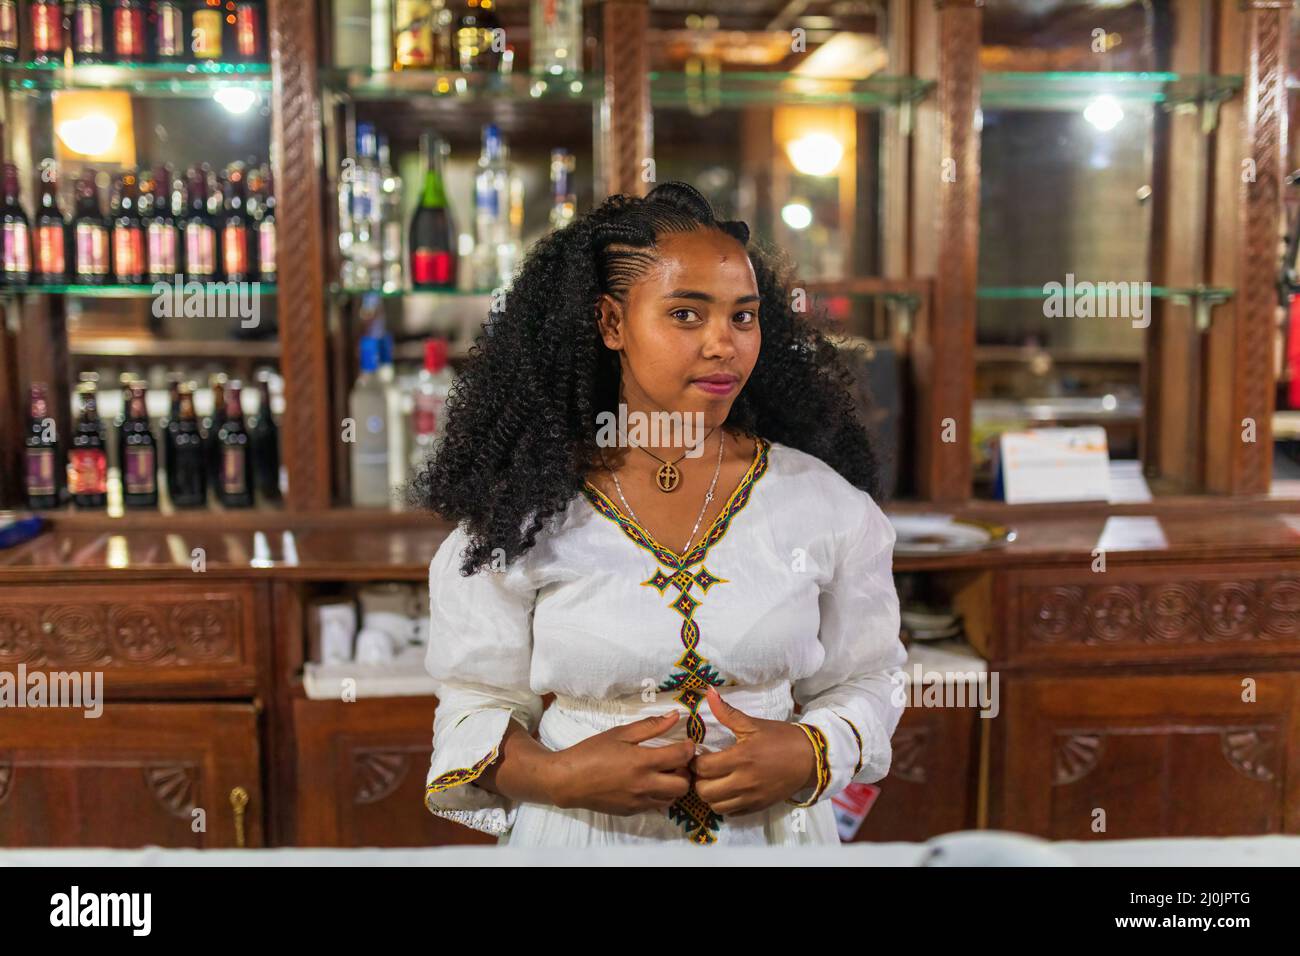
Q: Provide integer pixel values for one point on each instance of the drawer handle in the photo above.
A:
(238, 802)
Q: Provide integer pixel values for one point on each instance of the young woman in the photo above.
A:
(677, 598)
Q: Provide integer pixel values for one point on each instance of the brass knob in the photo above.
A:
(238, 802)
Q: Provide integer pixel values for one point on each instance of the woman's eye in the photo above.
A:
(682, 313)
(747, 317)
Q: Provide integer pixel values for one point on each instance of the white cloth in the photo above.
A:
(795, 603)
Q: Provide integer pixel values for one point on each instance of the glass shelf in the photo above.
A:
(1066, 90)
(133, 348)
(195, 79)
(341, 292)
(111, 290)
(728, 89)
(365, 84)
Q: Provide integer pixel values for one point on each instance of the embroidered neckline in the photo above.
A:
(666, 556)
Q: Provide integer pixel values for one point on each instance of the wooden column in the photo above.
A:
(945, 241)
(308, 434)
(1253, 36)
(628, 122)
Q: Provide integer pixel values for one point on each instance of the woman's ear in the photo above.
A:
(609, 320)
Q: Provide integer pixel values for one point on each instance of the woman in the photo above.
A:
(674, 669)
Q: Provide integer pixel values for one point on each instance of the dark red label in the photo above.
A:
(128, 251)
(47, 28)
(87, 471)
(40, 471)
(49, 250)
(234, 249)
(430, 268)
(128, 32)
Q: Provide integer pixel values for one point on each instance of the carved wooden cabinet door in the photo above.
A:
(361, 771)
(1118, 757)
(171, 775)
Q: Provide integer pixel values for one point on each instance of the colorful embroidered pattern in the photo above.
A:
(818, 741)
(695, 673)
(856, 736)
(454, 778)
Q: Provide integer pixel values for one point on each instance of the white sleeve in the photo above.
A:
(480, 655)
(851, 705)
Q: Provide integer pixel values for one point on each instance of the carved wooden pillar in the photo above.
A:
(1253, 38)
(307, 430)
(945, 237)
(628, 120)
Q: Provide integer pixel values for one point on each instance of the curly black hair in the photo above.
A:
(522, 417)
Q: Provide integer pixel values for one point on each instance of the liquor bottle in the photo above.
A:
(413, 27)
(265, 443)
(365, 252)
(187, 478)
(129, 31)
(250, 38)
(167, 425)
(128, 232)
(139, 455)
(474, 37)
(169, 33)
(555, 29)
(212, 425)
(392, 238)
(396, 411)
(87, 457)
(235, 475)
(48, 38)
(206, 27)
(563, 202)
(15, 233)
(199, 228)
(492, 201)
(236, 228)
(432, 236)
(9, 31)
(429, 403)
(368, 408)
(90, 234)
(162, 239)
(117, 453)
(266, 244)
(50, 262)
(88, 35)
(44, 488)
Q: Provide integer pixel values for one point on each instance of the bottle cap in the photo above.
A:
(369, 354)
(435, 354)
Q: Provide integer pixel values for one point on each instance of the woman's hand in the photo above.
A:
(611, 772)
(770, 761)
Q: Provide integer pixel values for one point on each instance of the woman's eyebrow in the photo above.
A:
(705, 297)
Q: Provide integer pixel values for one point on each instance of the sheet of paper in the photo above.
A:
(1132, 533)
(1055, 464)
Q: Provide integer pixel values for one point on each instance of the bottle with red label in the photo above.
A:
(139, 454)
(44, 484)
(48, 38)
(128, 232)
(87, 454)
(236, 227)
(432, 250)
(162, 236)
(15, 232)
(89, 32)
(250, 36)
(262, 210)
(129, 32)
(235, 469)
(9, 31)
(90, 234)
(199, 228)
(50, 259)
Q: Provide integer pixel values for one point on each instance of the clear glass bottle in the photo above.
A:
(556, 34)
(368, 409)
(392, 228)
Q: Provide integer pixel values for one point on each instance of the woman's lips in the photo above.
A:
(718, 387)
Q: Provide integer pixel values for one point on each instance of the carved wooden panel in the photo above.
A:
(1155, 614)
(132, 777)
(627, 90)
(139, 635)
(1147, 755)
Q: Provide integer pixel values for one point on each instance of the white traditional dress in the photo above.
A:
(789, 597)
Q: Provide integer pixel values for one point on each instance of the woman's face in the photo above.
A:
(688, 333)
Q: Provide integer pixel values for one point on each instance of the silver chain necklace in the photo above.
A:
(707, 498)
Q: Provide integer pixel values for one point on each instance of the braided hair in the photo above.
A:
(522, 417)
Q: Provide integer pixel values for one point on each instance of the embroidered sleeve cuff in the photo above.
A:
(857, 751)
(810, 795)
(462, 751)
